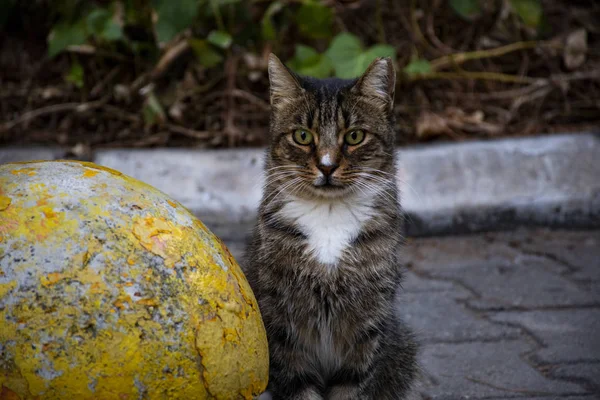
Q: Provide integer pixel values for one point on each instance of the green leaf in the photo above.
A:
(417, 67)
(530, 11)
(343, 52)
(112, 31)
(76, 75)
(96, 20)
(379, 50)
(64, 35)
(173, 17)
(152, 110)
(268, 28)
(220, 39)
(466, 8)
(305, 54)
(314, 20)
(100, 23)
(349, 58)
(206, 55)
(307, 61)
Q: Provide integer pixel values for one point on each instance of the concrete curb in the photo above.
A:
(449, 188)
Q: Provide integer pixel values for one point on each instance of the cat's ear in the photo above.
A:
(378, 82)
(284, 83)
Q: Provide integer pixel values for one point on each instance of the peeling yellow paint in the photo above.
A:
(7, 287)
(4, 202)
(90, 173)
(128, 302)
(172, 203)
(51, 279)
(28, 171)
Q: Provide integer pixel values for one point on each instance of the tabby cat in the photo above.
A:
(323, 258)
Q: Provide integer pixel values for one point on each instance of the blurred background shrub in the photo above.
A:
(101, 73)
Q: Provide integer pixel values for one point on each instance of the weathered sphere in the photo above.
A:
(110, 290)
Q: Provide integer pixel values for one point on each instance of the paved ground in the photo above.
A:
(505, 315)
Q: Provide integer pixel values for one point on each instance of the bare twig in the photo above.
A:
(88, 49)
(99, 87)
(251, 99)
(491, 76)
(188, 132)
(232, 131)
(429, 28)
(459, 58)
(172, 54)
(53, 109)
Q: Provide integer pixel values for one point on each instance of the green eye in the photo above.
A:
(355, 137)
(303, 137)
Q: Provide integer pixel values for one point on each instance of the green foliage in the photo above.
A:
(64, 35)
(530, 11)
(307, 61)
(350, 59)
(173, 17)
(152, 110)
(76, 74)
(466, 8)
(345, 58)
(267, 25)
(220, 39)
(100, 23)
(205, 53)
(418, 66)
(314, 20)
(213, 27)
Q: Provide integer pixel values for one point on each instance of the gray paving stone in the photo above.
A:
(438, 317)
(568, 336)
(482, 370)
(502, 278)
(524, 284)
(587, 373)
(579, 251)
(451, 252)
(413, 283)
(17, 154)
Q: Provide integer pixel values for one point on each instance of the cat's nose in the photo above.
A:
(327, 169)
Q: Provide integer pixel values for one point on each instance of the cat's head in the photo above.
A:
(331, 137)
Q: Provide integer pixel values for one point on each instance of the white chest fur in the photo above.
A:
(330, 225)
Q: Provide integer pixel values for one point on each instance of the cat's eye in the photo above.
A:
(303, 137)
(354, 137)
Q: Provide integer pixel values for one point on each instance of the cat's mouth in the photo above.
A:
(328, 184)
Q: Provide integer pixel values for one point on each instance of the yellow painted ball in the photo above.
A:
(111, 290)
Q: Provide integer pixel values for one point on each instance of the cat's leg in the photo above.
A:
(308, 393)
(343, 392)
(291, 375)
(395, 369)
(383, 367)
(299, 392)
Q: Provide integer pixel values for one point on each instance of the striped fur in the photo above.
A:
(323, 259)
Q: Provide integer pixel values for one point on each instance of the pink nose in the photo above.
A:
(328, 169)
